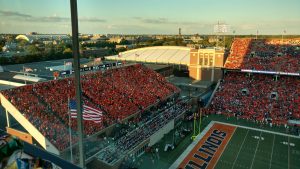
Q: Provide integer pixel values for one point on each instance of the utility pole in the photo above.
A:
(75, 42)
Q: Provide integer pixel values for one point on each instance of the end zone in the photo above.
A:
(207, 148)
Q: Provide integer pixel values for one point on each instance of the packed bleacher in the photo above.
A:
(281, 55)
(258, 97)
(118, 93)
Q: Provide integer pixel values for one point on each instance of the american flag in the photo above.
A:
(89, 113)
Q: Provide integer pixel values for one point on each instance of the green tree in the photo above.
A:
(4, 60)
(124, 42)
(67, 53)
(67, 50)
(122, 49)
(23, 42)
(32, 49)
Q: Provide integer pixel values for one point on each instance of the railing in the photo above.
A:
(213, 94)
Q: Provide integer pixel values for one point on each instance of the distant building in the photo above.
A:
(116, 39)
(95, 52)
(193, 46)
(94, 39)
(85, 36)
(196, 38)
(13, 53)
(159, 37)
(125, 46)
(179, 32)
(9, 46)
(214, 39)
(32, 33)
(45, 37)
(193, 39)
(99, 37)
(131, 39)
(144, 38)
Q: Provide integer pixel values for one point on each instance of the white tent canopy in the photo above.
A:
(156, 54)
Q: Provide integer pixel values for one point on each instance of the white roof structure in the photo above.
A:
(29, 78)
(60, 68)
(156, 54)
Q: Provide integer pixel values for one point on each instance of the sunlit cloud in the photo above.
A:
(55, 18)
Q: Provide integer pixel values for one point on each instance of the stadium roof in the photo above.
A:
(156, 54)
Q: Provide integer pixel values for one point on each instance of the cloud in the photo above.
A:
(86, 19)
(154, 20)
(12, 13)
(51, 19)
(163, 21)
(29, 18)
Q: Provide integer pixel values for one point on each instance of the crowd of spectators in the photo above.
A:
(24, 99)
(143, 132)
(258, 97)
(282, 55)
(118, 93)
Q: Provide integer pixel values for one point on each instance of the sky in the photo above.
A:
(151, 16)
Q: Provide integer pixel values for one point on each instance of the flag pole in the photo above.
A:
(75, 41)
(200, 121)
(194, 135)
(24, 74)
(70, 131)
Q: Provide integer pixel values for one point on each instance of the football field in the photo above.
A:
(251, 148)
(226, 146)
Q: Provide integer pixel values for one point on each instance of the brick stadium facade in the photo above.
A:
(206, 64)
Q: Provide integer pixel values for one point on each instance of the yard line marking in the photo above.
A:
(255, 151)
(256, 129)
(240, 149)
(289, 153)
(272, 152)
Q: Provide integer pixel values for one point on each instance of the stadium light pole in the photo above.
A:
(75, 42)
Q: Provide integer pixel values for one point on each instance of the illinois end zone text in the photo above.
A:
(208, 150)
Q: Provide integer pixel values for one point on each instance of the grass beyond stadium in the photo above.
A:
(245, 148)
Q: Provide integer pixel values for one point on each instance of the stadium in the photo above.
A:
(248, 117)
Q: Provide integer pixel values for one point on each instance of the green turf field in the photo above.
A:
(242, 151)
(260, 150)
